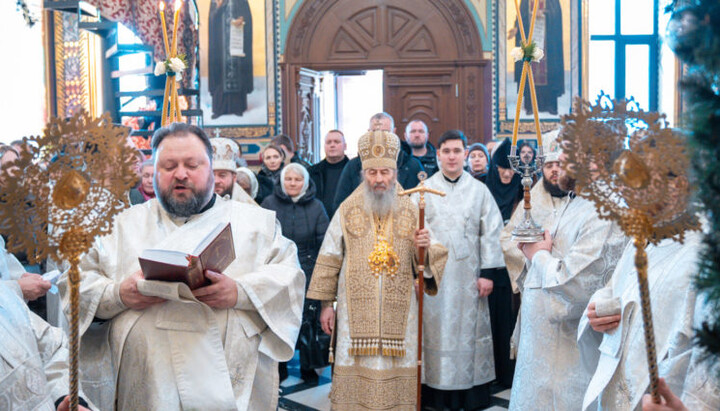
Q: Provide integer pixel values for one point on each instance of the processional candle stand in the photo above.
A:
(634, 168)
(527, 231)
(61, 193)
(421, 190)
(172, 67)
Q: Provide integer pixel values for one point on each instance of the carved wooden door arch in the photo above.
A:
(430, 51)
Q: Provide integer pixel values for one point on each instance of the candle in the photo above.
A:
(533, 100)
(521, 91)
(532, 22)
(161, 7)
(520, 22)
(178, 4)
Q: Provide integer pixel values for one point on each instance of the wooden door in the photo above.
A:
(427, 94)
(303, 118)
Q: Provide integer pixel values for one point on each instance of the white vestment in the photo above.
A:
(238, 194)
(556, 288)
(701, 391)
(458, 347)
(33, 357)
(182, 354)
(621, 376)
(545, 210)
(10, 267)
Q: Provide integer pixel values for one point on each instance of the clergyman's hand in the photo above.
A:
(602, 324)
(65, 405)
(668, 400)
(222, 293)
(131, 297)
(33, 286)
(327, 319)
(422, 238)
(484, 286)
(530, 249)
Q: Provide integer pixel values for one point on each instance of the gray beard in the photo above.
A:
(380, 204)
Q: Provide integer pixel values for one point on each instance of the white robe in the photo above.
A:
(10, 268)
(701, 390)
(621, 376)
(457, 347)
(33, 357)
(181, 353)
(545, 210)
(556, 288)
(238, 194)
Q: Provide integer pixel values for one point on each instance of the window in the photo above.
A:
(624, 50)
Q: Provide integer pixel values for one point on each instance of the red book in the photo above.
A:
(215, 252)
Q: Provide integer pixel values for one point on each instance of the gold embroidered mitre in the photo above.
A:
(379, 149)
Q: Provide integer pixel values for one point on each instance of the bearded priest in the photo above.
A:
(367, 261)
(161, 346)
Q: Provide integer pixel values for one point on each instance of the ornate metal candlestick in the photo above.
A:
(528, 231)
(62, 192)
(634, 168)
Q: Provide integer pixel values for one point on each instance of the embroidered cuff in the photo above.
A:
(541, 263)
(243, 300)
(110, 303)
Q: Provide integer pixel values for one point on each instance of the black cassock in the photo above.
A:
(230, 77)
(549, 73)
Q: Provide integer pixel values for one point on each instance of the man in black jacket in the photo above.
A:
(408, 166)
(326, 174)
(288, 147)
(416, 136)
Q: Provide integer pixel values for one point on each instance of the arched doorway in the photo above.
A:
(430, 52)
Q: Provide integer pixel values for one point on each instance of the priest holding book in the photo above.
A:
(160, 345)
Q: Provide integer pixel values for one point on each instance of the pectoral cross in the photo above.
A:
(421, 189)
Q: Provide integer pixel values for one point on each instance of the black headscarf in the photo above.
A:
(506, 195)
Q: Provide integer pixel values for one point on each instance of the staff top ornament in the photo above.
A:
(66, 187)
(631, 165)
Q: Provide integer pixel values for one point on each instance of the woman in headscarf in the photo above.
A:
(478, 160)
(505, 186)
(247, 181)
(303, 219)
(503, 182)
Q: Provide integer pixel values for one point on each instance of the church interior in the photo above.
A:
(249, 70)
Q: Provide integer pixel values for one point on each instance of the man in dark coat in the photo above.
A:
(416, 136)
(326, 174)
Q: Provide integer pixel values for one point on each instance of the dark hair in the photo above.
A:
(180, 129)
(336, 131)
(381, 116)
(283, 140)
(452, 135)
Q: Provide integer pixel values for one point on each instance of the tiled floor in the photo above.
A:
(296, 395)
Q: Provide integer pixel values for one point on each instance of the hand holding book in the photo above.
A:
(221, 293)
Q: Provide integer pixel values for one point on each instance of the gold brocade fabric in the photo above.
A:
(377, 306)
(358, 388)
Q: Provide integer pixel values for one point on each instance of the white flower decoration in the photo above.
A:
(517, 53)
(160, 68)
(176, 65)
(538, 54)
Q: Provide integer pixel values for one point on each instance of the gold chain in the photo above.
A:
(383, 257)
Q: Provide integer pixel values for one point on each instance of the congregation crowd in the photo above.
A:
(556, 321)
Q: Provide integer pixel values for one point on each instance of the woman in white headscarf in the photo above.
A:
(247, 180)
(303, 220)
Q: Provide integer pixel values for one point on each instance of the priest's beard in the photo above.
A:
(380, 202)
(188, 206)
(566, 183)
(553, 189)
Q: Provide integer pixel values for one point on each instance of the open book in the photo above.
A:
(215, 252)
